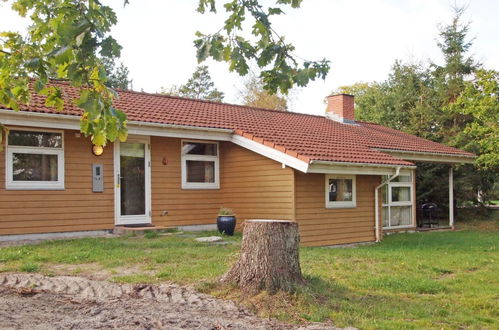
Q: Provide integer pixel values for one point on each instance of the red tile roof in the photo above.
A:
(307, 137)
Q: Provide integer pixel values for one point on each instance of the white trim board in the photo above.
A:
(133, 219)
(429, 156)
(271, 153)
(352, 168)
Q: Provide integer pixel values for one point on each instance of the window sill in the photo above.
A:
(200, 186)
(24, 186)
(399, 227)
(345, 206)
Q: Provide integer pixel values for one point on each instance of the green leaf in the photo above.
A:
(99, 139)
(275, 11)
(206, 3)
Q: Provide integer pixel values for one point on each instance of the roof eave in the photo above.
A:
(331, 167)
(51, 120)
(327, 162)
(432, 157)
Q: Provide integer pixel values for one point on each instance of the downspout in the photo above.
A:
(376, 201)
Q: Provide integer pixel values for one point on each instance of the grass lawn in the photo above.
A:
(413, 280)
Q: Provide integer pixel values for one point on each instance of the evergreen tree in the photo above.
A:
(451, 76)
(117, 76)
(443, 104)
(458, 65)
(199, 86)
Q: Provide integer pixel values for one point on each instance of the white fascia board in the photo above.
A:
(356, 168)
(179, 131)
(59, 121)
(432, 157)
(271, 153)
(36, 119)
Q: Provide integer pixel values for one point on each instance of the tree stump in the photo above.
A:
(269, 257)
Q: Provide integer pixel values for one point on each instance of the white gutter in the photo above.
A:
(376, 203)
(439, 157)
(326, 162)
(423, 153)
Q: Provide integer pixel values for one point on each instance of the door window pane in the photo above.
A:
(132, 181)
(34, 167)
(132, 150)
(35, 139)
(200, 171)
(401, 194)
(340, 190)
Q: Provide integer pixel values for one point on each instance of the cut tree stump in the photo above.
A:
(269, 258)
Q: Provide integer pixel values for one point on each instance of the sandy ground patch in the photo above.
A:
(33, 301)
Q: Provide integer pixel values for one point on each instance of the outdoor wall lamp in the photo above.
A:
(97, 150)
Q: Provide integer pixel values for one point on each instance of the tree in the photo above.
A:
(69, 38)
(66, 40)
(269, 258)
(254, 95)
(454, 46)
(405, 101)
(173, 90)
(480, 101)
(438, 102)
(281, 70)
(199, 86)
(450, 77)
(117, 75)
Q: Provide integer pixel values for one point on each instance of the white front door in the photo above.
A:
(132, 169)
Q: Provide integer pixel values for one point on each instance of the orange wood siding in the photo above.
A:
(184, 206)
(322, 226)
(73, 209)
(254, 186)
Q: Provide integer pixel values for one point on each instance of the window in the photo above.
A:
(340, 191)
(200, 165)
(34, 160)
(397, 202)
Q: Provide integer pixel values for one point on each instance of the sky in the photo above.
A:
(361, 38)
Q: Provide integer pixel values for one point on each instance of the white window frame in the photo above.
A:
(186, 157)
(341, 204)
(10, 184)
(391, 203)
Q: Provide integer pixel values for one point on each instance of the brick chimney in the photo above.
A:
(340, 107)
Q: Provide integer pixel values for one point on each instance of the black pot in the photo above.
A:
(226, 224)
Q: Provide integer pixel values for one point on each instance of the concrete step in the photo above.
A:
(123, 230)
